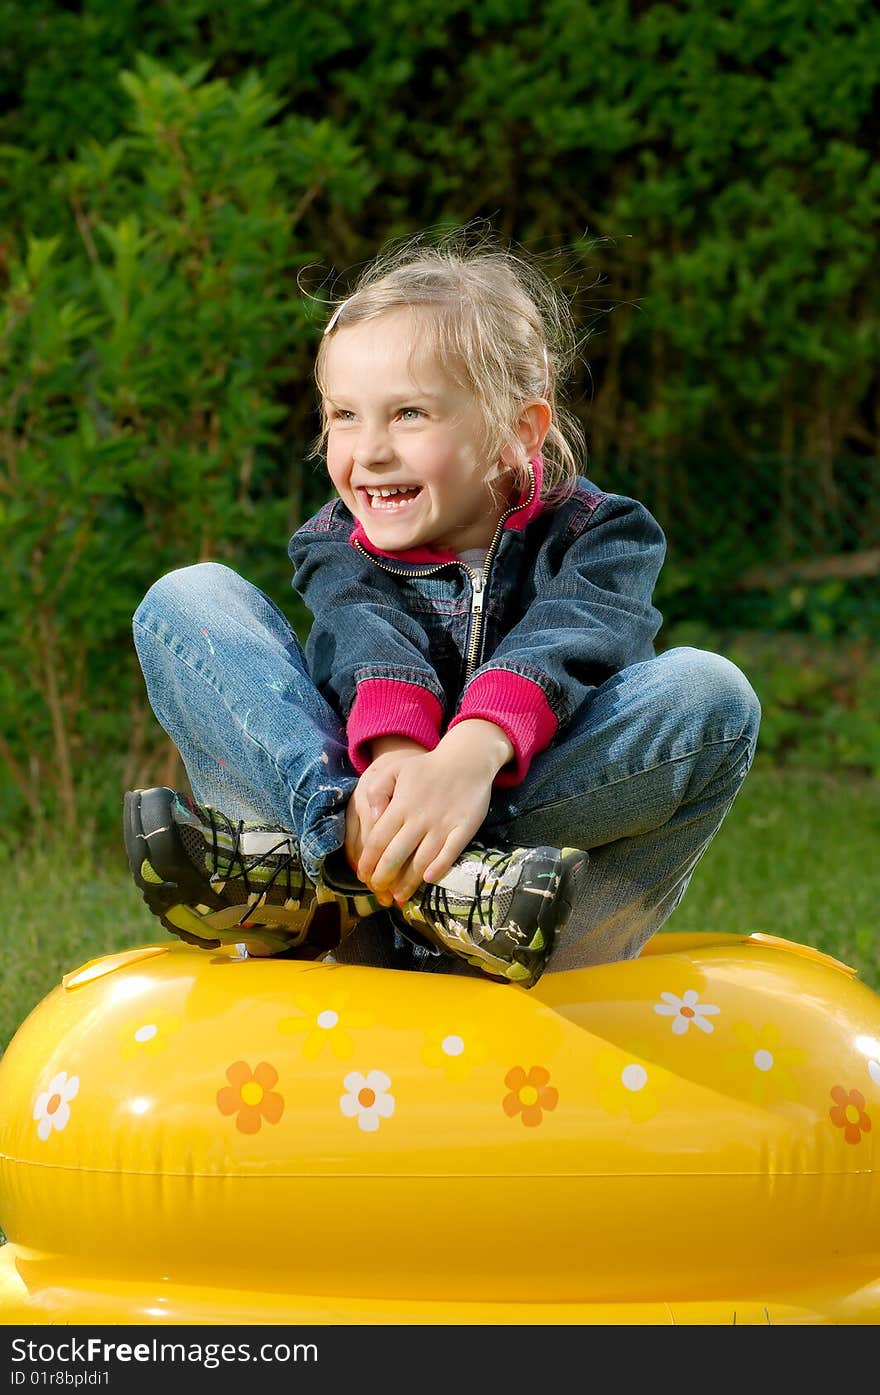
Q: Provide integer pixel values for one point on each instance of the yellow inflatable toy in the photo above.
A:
(688, 1137)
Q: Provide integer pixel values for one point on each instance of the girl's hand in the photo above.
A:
(437, 800)
(373, 792)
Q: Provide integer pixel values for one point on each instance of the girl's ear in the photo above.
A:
(531, 427)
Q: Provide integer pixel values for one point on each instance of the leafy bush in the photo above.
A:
(156, 348)
(723, 156)
(706, 589)
(145, 350)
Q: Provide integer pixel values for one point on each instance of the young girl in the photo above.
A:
(479, 737)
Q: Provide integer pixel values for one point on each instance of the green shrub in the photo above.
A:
(146, 349)
(723, 156)
(156, 348)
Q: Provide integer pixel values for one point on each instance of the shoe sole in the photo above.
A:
(151, 837)
(528, 961)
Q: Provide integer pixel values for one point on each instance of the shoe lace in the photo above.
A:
(435, 900)
(243, 863)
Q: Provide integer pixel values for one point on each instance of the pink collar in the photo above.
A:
(527, 508)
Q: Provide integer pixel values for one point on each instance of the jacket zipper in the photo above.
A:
(479, 581)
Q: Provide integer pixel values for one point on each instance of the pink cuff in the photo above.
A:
(520, 708)
(391, 707)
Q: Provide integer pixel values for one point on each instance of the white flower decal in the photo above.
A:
(685, 1010)
(52, 1109)
(367, 1099)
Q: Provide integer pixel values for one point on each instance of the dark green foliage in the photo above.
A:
(725, 154)
(147, 348)
(180, 185)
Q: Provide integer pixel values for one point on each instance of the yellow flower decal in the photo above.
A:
(629, 1084)
(147, 1035)
(765, 1064)
(325, 1019)
(456, 1049)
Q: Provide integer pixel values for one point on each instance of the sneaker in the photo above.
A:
(499, 911)
(213, 880)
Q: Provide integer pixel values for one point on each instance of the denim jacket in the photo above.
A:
(411, 643)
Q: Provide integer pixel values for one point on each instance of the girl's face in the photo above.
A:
(397, 422)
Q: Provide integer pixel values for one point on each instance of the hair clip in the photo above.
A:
(335, 316)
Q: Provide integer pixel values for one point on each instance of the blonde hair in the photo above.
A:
(498, 325)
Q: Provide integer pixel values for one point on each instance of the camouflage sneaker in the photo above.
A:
(500, 910)
(213, 880)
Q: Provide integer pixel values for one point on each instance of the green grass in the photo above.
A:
(799, 856)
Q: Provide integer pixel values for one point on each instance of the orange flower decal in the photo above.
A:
(250, 1095)
(849, 1114)
(530, 1094)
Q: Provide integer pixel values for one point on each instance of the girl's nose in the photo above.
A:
(372, 446)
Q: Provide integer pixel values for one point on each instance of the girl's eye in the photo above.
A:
(339, 414)
(414, 411)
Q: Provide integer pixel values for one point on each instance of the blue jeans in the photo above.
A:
(642, 777)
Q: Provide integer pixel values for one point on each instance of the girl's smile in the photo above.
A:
(405, 441)
(392, 498)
